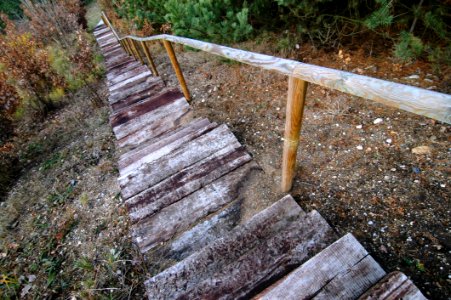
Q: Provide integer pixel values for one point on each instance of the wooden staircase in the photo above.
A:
(180, 179)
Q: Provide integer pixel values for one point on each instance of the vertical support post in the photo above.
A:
(149, 58)
(137, 51)
(123, 46)
(178, 71)
(297, 89)
(130, 50)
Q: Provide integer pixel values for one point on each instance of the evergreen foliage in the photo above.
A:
(415, 29)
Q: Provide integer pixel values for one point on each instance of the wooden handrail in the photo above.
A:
(409, 98)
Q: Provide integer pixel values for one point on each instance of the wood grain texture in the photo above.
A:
(150, 151)
(190, 153)
(136, 110)
(185, 182)
(147, 118)
(137, 87)
(354, 282)
(146, 92)
(123, 68)
(130, 81)
(237, 264)
(149, 58)
(307, 280)
(172, 219)
(177, 69)
(416, 100)
(196, 238)
(138, 53)
(163, 120)
(297, 90)
(394, 286)
(126, 75)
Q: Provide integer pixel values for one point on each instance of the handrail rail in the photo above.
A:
(409, 98)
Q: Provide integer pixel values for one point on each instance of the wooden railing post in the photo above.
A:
(129, 47)
(178, 71)
(149, 58)
(135, 48)
(297, 89)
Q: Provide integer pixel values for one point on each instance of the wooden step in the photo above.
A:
(344, 270)
(147, 105)
(122, 70)
(394, 286)
(139, 120)
(126, 75)
(172, 209)
(196, 238)
(130, 80)
(147, 91)
(161, 121)
(138, 87)
(116, 67)
(185, 182)
(190, 153)
(265, 248)
(164, 145)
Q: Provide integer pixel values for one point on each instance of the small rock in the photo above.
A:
(422, 150)
(389, 141)
(370, 223)
(387, 178)
(409, 239)
(378, 121)
(412, 77)
(359, 126)
(359, 147)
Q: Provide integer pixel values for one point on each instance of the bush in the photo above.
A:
(27, 63)
(213, 20)
(11, 8)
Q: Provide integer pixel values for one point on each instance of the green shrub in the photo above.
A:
(409, 47)
(11, 8)
(213, 20)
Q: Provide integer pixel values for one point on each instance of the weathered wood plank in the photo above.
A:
(416, 100)
(355, 282)
(173, 219)
(107, 43)
(138, 122)
(120, 64)
(164, 119)
(123, 69)
(235, 266)
(394, 286)
(166, 144)
(114, 53)
(132, 89)
(107, 36)
(187, 155)
(130, 80)
(126, 75)
(100, 31)
(307, 280)
(185, 182)
(202, 234)
(146, 92)
(128, 114)
(118, 61)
